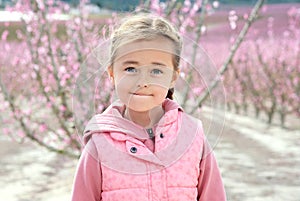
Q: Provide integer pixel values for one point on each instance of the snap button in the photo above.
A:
(161, 135)
(133, 150)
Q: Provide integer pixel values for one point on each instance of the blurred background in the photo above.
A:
(248, 94)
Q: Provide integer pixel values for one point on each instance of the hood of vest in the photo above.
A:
(112, 121)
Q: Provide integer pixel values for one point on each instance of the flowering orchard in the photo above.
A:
(265, 73)
(49, 46)
(38, 73)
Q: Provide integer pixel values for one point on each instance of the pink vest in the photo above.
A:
(117, 163)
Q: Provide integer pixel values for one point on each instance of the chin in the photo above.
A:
(141, 104)
(137, 108)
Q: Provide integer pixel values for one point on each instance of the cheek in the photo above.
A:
(160, 94)
(121, 80)
(122, 89)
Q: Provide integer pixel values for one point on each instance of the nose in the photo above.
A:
(143, 81)
(143, 85)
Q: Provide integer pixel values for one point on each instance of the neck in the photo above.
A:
(145, 118)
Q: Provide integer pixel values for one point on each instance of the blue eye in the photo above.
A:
(156, 72)
(131, 70)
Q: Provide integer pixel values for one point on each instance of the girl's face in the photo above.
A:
(143, 72)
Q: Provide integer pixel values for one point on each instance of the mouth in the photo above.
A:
(141, 94)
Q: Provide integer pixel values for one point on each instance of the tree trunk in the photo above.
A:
(270, 117)
(282, 119)
(257, 112)
(237, 108)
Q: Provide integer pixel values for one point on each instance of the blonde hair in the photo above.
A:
(146, 27)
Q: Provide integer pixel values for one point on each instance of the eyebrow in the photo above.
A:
(159, 64)
(137, 63)
(130, 62)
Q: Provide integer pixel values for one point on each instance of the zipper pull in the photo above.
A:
(150, 132)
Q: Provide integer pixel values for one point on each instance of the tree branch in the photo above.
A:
(234, 48)
(195, 47)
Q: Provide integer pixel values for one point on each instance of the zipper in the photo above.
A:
(150, 132)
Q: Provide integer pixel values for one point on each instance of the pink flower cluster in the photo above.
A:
(265, 73)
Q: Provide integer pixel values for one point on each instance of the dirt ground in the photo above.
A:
(258, 163)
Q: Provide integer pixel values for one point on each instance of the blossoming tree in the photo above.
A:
(40, 67)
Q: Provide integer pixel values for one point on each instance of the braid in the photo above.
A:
(170, 93)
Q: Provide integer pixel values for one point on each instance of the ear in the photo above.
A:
(174, 79)
(110, 73)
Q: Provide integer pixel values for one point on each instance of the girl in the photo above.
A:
(144, 146)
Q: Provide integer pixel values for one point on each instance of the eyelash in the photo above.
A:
(158, 71)
(132, 68)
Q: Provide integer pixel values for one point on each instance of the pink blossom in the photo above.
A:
(62, 108)
(48, 105)
(187, 6)
(5, 131)
(203, 29)
(42, 50)
(270, 22)
(62, 83)
(36, 67)
(6, 104)
(60, 132)
(286, 34)
(216, 4)
(50, 68)
(182, 30)
(21, 134)
(62, 69)
(47, 89)
(77, 20)
(27, 112)
(264, 8)
(104, 29)
(75, 66)
(52, 99)
(43, 127)
(33, 75)
(19, 34)
(67, 141)
(233, 19)
(4, 35)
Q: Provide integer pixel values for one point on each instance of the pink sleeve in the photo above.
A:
(210, 185)
(87, 182)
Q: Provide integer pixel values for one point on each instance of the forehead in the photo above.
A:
(159, 48)
(146, 57)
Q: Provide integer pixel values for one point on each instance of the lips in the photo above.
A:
(141, 94)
